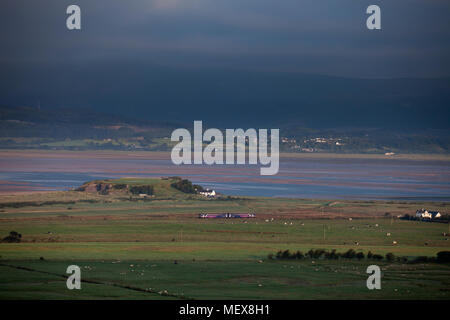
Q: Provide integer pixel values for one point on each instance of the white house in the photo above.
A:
(208, 193)
(425, 214)
(435, 214)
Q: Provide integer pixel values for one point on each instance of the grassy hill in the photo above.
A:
(156, 188)
(79, 129)
(84, 129)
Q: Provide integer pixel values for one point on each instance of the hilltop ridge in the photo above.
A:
(166, 187)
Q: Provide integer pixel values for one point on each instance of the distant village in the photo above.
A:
(309, 143)
(320, 144)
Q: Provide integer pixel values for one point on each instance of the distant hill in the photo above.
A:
(65, 128)
(85, 129)
(230, 97)
(159, 188)
(73, 123)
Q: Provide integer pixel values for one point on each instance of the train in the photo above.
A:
(225, 215)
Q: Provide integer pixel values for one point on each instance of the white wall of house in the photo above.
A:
(426, 214)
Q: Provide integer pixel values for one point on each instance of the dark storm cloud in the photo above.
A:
(178, 58)
(327, 37)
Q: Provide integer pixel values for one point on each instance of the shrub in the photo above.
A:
(286, 255)
(334, 255)
(198, 188)
(143, 189)
(14, 237)
(377, 257)
(390, 257)
(360, 255)
(331, 255)
(369, 255)
(350, 254)
(443, 256)
(316, 254)
(299, 255)
(421, 259)
(185, 186)
(279, 253)
(120, 186)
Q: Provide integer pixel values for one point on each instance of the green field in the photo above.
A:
(127, 247)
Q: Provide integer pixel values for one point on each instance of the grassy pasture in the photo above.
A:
(225, 279)
(216, 258)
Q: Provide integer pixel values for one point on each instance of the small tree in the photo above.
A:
(390, 257)
(318, 253)
(360, 255)
(299, 255)
(333, 255)
(14, 237)
(286, 254)
(443, 256)
(377, 257)
(421, 259)
(350, 254)
(279, 254)
(142, 189)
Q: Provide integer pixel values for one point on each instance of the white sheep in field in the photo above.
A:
(388, 234)
(394, 242)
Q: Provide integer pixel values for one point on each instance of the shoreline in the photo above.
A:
(5, 196)
(165, 155)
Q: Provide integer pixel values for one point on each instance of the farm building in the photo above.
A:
(208, 193)
(425, 214)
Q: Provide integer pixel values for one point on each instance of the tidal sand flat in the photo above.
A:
(323, 176)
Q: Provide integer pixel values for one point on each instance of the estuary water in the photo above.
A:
(362, 179)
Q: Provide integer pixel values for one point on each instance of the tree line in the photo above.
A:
(441, 257)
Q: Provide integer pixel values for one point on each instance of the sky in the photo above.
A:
(138, 54)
